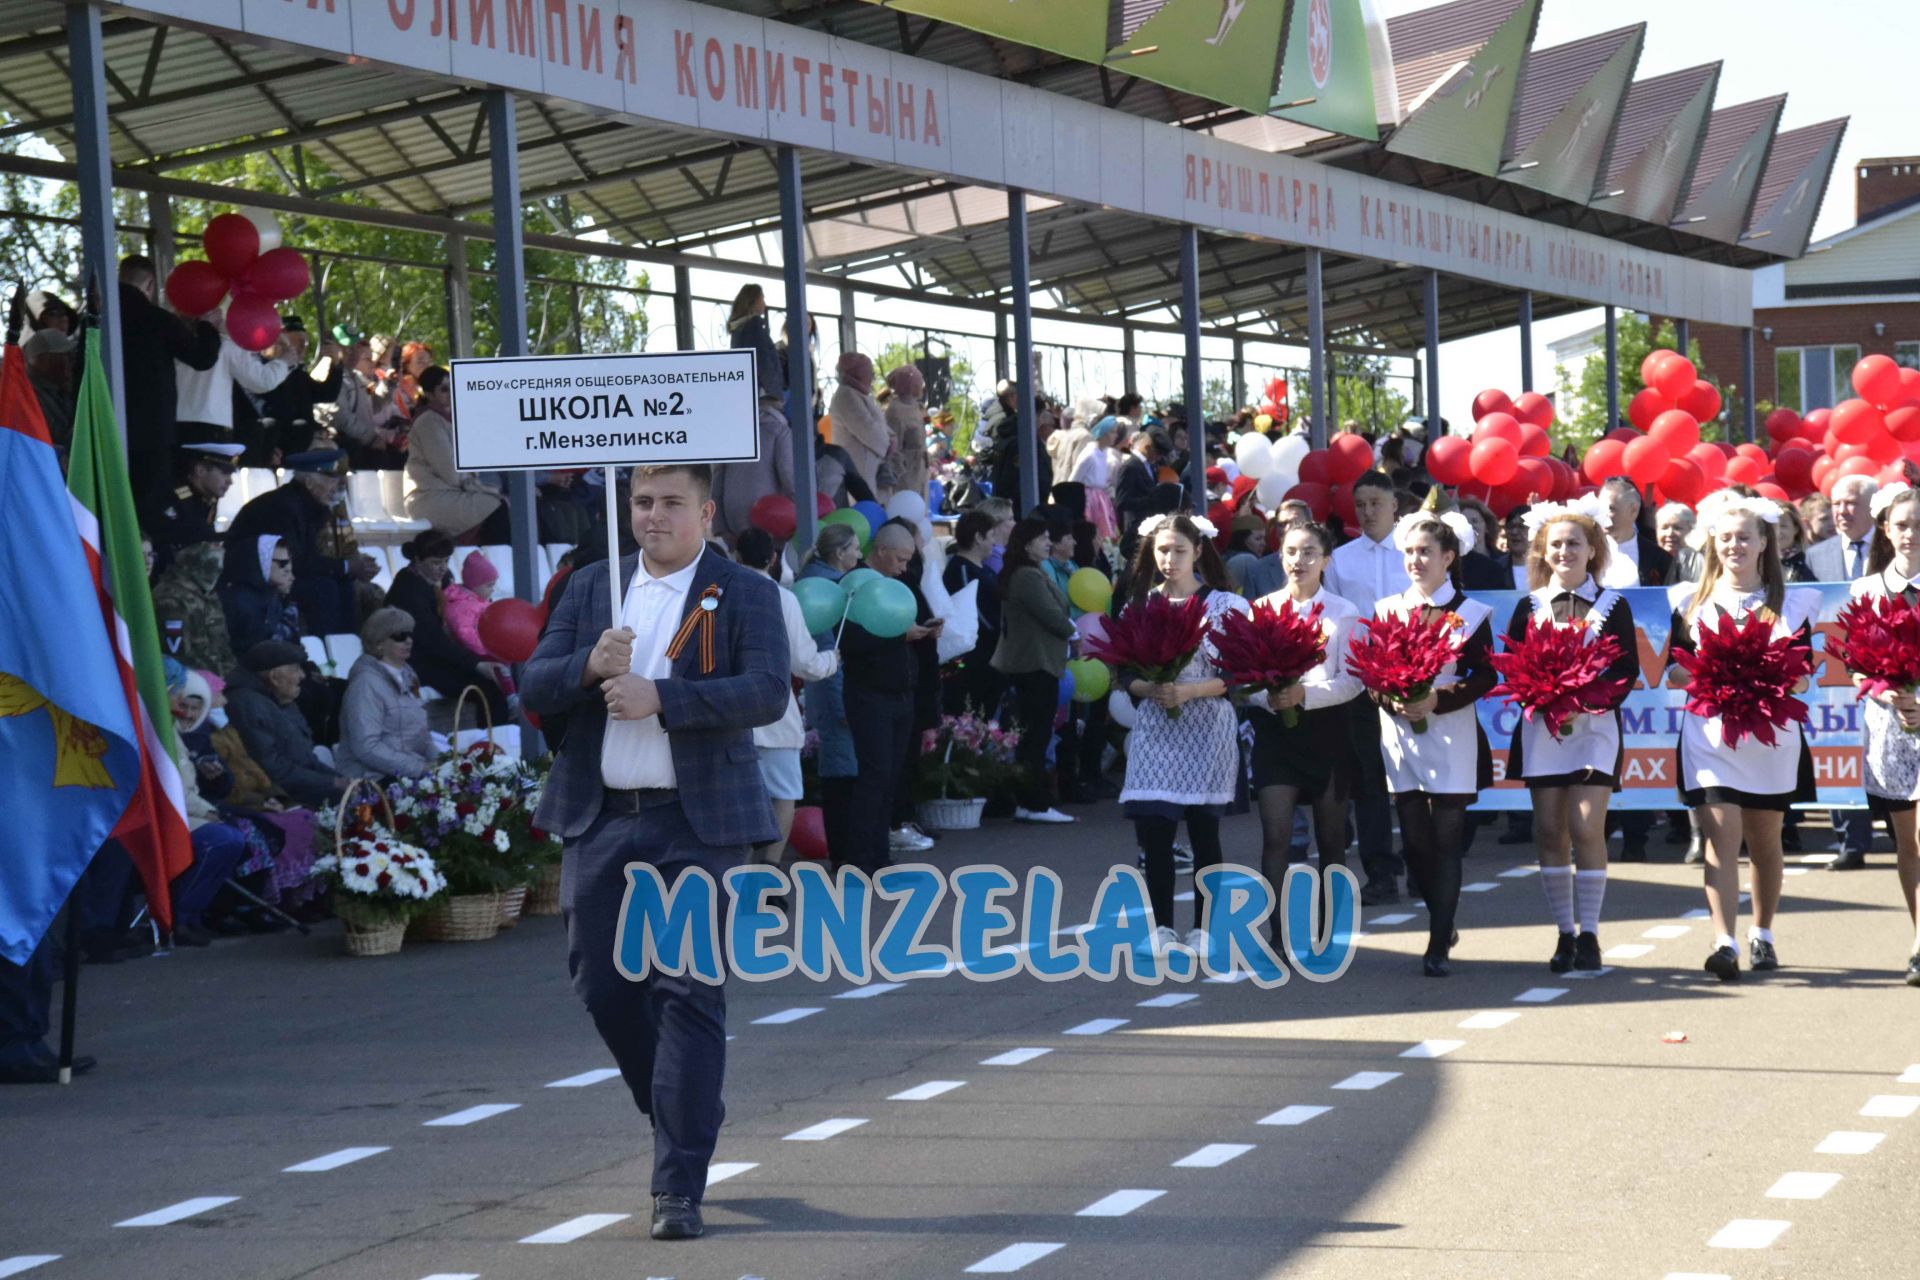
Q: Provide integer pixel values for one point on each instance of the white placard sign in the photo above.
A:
(533, 413)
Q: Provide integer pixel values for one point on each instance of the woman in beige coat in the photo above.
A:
(858, 425)
(452, 501)
(907, 423)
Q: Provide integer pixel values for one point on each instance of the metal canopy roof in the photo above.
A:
(416, 143)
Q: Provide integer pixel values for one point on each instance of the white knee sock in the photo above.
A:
(1755, 931)
(1591, 888)
(1558, 884)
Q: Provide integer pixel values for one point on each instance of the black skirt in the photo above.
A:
(1516, 766)
(1803, 791)
(1305, 756)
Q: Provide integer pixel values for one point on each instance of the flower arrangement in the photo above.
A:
(964, 757)
(1556, 672)
(1400, 658)
(1155, 638)
(1270, 648)
(1745, 676)
(377, 878)
(1881, 645)
(473, 813)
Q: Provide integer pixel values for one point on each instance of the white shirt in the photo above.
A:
(1330, 683)
(635, 754)
(806, 660)
(206, 395)
(1365, 572)
(1629, 549)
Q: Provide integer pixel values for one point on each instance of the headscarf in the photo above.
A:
(263, 547)
(856, 371)
(908, 382)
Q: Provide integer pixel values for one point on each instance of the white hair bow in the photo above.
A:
(1723, 504)
(1461, 526)
(1153, 524)
(1885, 497)
(1542, 514)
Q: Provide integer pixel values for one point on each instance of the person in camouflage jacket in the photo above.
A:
(193, 626)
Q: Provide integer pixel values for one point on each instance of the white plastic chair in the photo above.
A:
(317, 652)
(365, 502)
(345, 649)
(502, 557)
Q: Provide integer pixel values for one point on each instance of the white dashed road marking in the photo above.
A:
(1168, 1001)
(472, 1115)
(1489, 1020)
(1663, 932)
(869, 991)
(1213, 1155)
(1398, 917)
(1296, 1114)
(824, 1130)
(334, 1159)
(177, 1212)
(586, 1078)
(1848, 1142)
(1119, 1204)
(1629, 951)
(574, 1228)
(922, 1092)
(1014, 1057)
(1012, 1258)
(785, 1016)
(1540, 995)
(721, 1172)
(1892, 1106)
(1367, 1079)
(1803, 1186)
(1432, 1049)
(1097, 1027)
(25, 1262)
(1749, 1233)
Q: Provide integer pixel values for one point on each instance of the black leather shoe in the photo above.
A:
(1586, 952)
(37, 1064)
(1761, 956)
(1562, 954)
(676, 1218)
(1913, 970)
(1724, 964)
(1436, 967)
(1853, 861)
(1790, 840)
(1635, 852)
(1379, 893)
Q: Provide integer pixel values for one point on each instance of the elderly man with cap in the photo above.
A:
(206, 473)
(279, 422)
(319, 538)
(262, 702)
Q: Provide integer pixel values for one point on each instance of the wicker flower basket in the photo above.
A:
(512, 902)
(369, 933)
(543, 895)
(465, 917)
(952, 815)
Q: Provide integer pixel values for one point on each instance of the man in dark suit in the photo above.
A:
(1635, 540)
(659, 767)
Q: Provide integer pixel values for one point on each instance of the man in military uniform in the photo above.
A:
(206, 472)
(307, 513)
(188, 612)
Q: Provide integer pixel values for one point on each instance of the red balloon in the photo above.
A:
(1277, 390)
(774, 513)
(1271, 408)
(1712, 462)
(1317, 494)
(1625, 435)
(1316, 468)
(1532, 480)
(1343, 506)
(1534, 442)
(1683, 481)
(1677, 429)
(1877, 379)
(1567, 479)
(195, 288)
(1653, 357)
(232, 243)
(1531, 406)
(1893, 471)
(1847, 451)
(1816, 424)
(1909, 384)
(1703, 402)
(279, 274)
(1861, 466)
(1856, 421)
(1753, 451)
(1447, 460)
(1498, 426)
(1604, 461)
(1647, 405)
(1767, 489)
(1349, 456)
(1903, 421)
(1822, 473)
(822, 505)
(809, 835)
(510, 628)
(252, 321)
(1492, 400)
(1783, 424)
(1884, 448)
(1744, 470)
(1673, 375)
(1494, 460)
(1794, 469)
(1646, 460)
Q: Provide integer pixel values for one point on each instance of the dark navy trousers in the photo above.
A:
(668, 1035)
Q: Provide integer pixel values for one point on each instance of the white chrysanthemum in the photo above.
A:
(501, 840)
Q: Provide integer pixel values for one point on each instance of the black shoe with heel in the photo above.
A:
(1724, 964)
(1562, 954)
(1586, 952)
(1761, 957)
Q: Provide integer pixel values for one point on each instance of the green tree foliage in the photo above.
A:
(1580, 409)
(966, 415)
(1363, 392)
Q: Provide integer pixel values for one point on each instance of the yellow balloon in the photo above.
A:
(1090, 590)
(1263, 423)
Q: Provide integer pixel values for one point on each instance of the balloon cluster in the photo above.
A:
(1508, 460)
(1272, 407)
(1876, 434)
(245, 259)
(1663, 447)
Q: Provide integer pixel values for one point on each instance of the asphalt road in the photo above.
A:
(1503, 1123)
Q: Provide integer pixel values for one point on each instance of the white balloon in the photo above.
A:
(907, 505)
(267, 225)
(1253, 454)
(1272, 488)
(1288, 452)
(1120, 707)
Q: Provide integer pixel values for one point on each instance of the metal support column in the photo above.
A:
(1613, 369)
(1129, 360)
(1000, 362)
(1748, 391)
(459, 297)
(160, 241)
(793, 264)
(1432, 310)
(682, 309)
(1194, 392)
(1526, 341)
(94, 176)
(510, 279)
(849, 329)
(1238, 396)
(1027, 425)
(1682, 333)
(1316, 353)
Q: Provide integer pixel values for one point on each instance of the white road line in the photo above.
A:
(1432, 1049)
(1237, 975)
(824, 1130)
(1698, 913)
(1514, 873)
(176, 1212)
(472, 1115)
(1397, 917)
(334, 1159)
(1818, 859)
(453, 1275)
(1168, 1001)
(1368, 1079)
(1910, 1076)
(586, 1078)
(1012, 1258)
(1893, 1106)
(1796, 871)
(1097, 1027)
(1488, 1020)
(1014, 1057)
(1848, 1142)
(922, 1092)
(1666, 931)
(1629, 951)
(732, 1169)
(1213, 1155)
(574, 1228)
(1540, 995)
(1587, 975)
(1184, 897)
(1119, 1204)
(787, 1015)
(25, 1262)
(1480, 886)
(1749, 1233)
(1296, 1114)
(1803, 1186)
(869, 991)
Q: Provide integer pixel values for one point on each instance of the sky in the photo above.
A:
(1838, 58)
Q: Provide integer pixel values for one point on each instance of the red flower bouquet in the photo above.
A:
(1400, 658)
(1746, 677)
(1554, 673)
(1270, 648)
(1156, 638)
(1881, 646)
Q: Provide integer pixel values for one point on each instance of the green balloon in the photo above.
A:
(821, 603)
(885, 608)
(1091, 679)
(861, 526)
(857, 579)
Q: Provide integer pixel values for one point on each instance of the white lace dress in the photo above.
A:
(1193, 759)
(1891, 755)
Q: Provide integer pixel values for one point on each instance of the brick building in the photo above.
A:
(1851, 295)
